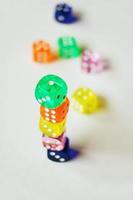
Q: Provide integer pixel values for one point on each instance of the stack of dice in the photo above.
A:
(51, 93)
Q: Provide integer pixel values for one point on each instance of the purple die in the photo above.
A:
(92, 62)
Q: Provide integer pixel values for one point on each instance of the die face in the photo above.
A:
(55, 144)
(42, 57)
(64, 14)
(41, 51)
(91, 62)
(41, 46)
(60, 156)
(68, 47)
(63, 9)
(51, 91)
(50, 129)
(84, 100)
(55, 115)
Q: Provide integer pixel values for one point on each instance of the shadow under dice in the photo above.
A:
(55, 144)
(64, 14)
(84, 100)
(55, 115)
(67, 47)
(51, 91)
(52, 129)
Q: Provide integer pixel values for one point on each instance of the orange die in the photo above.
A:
(55, 115)
(42, 52)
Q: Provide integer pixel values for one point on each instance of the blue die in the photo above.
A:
(60, 156)
(64, 14)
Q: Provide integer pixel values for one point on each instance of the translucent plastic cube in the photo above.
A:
(68, 48)
(55, 115)
(51, 91)
(50, 129)
(84, 100)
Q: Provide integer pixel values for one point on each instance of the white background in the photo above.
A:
(104, 170)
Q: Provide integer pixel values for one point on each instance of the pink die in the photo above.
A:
(91, 62)
(55, 144)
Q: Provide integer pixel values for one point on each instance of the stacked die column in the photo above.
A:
(51, 93)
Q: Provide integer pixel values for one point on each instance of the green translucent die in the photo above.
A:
(51, 91)
(68, 48)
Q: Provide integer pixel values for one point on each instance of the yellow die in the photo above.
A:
(52, 129)
(84, 100)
